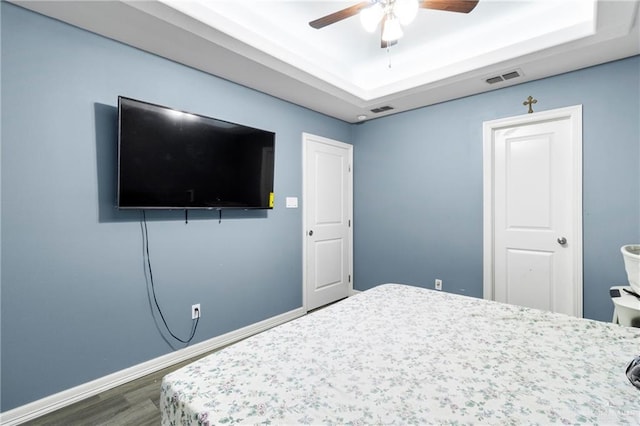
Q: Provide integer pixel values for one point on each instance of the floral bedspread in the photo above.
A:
(398, 354)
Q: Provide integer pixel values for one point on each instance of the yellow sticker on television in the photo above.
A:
(271, 200)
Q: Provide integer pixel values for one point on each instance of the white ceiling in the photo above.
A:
(341, 70)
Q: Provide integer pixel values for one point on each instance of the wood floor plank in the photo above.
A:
(148, 392)
(145, 412)
(85, 413)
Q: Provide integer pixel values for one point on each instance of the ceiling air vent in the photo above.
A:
(510, 75)
(506, 76)
(381, 109)
(493, 80)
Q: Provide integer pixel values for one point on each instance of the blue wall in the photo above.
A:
(74, 299)
(75, 305)
(418, 180)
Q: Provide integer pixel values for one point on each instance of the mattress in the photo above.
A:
(398, 354)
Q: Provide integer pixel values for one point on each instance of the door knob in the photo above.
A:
(311, 232)
(562, 241)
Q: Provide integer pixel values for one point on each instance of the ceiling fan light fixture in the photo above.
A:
(371, 16)
(391, 14)
(405, 10)
(392, 30)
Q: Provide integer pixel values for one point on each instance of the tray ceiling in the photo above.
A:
(340, 70)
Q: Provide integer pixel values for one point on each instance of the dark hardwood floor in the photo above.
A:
(134, 403)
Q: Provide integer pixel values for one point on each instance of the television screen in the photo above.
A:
(169, 159)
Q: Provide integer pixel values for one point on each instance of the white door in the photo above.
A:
(533, 210)
(327, 206)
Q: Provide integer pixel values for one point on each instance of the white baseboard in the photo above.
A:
(67, 397)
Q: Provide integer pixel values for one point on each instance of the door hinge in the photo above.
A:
(349, 168)
(349, 278)
(349, 223)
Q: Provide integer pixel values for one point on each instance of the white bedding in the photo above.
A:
(397, 354)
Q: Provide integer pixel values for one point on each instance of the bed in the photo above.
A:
(398, 354)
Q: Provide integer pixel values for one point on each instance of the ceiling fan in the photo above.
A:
(391, 15)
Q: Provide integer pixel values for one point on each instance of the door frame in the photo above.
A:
(306, 138)
(574, 115)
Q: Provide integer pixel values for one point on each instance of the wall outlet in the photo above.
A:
(195, 311)
(438, 284)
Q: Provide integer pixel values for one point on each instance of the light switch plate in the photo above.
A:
(292, 202)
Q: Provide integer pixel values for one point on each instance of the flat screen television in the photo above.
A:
(169, 159)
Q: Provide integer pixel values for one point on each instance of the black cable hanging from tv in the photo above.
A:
(153, 289)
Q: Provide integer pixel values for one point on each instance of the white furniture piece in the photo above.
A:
(626, 308)
(631, 256)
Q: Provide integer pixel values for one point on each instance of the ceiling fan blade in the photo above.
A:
(462, 6)
(339, 15)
